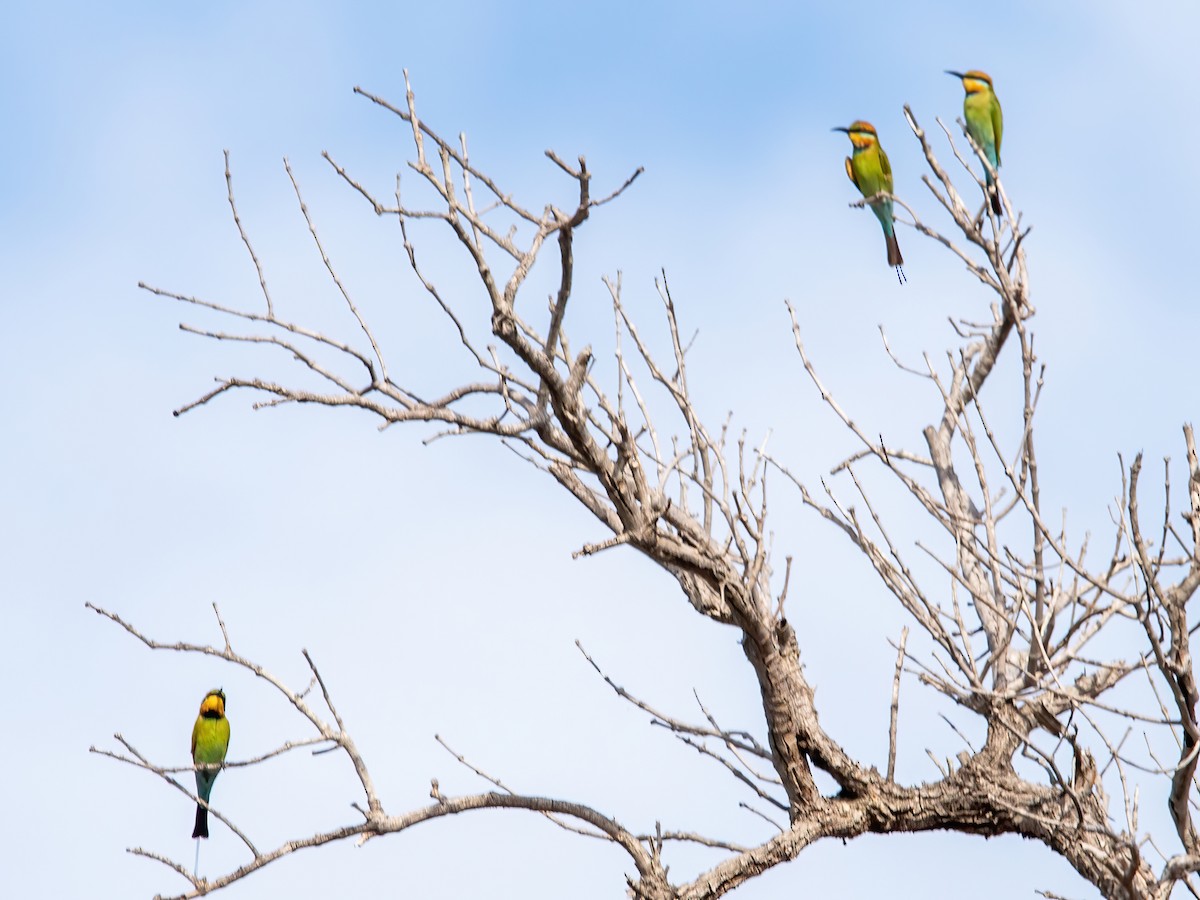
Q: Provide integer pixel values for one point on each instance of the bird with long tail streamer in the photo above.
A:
(869, 169)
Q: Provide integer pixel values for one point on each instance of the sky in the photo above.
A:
(434, 583)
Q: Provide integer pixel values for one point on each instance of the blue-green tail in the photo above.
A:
(883, 212)
(204, 786)
(989, 150)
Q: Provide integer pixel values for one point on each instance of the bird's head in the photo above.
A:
(973, 81)
(213, 704)
(862, 134)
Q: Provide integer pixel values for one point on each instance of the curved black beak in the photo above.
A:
(841, 129)
(958, 75)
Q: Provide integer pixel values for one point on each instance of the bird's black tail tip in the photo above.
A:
(201, 829)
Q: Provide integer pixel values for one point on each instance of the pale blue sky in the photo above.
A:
(434, 585)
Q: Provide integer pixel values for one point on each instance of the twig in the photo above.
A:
(900, 650)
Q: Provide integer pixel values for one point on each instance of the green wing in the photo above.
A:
(886, 168)
(997, 125)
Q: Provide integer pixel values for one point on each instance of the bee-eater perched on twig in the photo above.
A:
(210, 741)
(871, 173)
(985, 121)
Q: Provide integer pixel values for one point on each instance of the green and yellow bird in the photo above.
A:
(210, 741)
(985, 121)
(871, 173)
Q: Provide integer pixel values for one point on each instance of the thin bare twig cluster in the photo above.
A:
(1016, 631)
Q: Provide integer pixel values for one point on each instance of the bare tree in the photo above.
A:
(1017, 630)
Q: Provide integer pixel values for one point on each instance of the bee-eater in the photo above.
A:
(871, 173)
(985, 121)
(210, 741)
